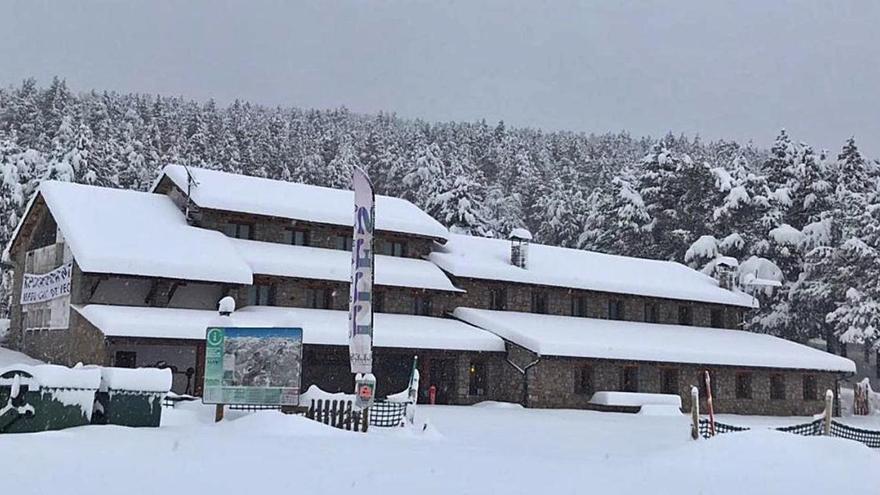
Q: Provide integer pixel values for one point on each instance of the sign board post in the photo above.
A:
(252, 366)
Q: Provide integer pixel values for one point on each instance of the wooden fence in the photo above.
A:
(338, 414)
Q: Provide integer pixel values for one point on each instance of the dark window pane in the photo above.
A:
(669, 380)
(378, 301)
(125, 359)
(743, 385)
(539, 302)
(615, 309)
(685, 316)
(578, 305)
(498, 298)
(810, 389)
(629, 379)
(717, 318)
(651, 314)
(422, 305)
(583, 380)
(343, 242)
(777, 387)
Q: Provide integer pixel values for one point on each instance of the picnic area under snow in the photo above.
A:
(491, 448)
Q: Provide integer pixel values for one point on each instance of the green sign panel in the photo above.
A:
(253, 366)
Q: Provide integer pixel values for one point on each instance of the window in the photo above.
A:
(422, 305)
(539, 302)
(394, 248)
(701, 381)
(777, 387)
(261, 295)
(297, 237)
(810, 389)
(583, 380)
(477, 378)
(578, 305)
(37, 318)
(651, 313)
(685, 315)
(669, 380)
(343, 242)
(629, 379)
(498, 298)
(321, 298)
(125, 359)
(717, 316)
(743, 385)
(378, 302)
(237, 230)
(615, 309)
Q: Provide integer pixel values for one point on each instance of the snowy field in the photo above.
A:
(489, 448)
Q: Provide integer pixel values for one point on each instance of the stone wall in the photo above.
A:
(291, 292)
(552, 383)
(559, 302)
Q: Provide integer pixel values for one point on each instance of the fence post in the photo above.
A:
(829, 408)
(695, 413)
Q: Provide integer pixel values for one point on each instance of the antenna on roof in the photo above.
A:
(190, 183)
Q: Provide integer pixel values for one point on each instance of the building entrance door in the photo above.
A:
(441, 374)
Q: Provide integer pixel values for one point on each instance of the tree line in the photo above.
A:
(802, 223)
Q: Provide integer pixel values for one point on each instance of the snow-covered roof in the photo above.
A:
(231, 192)
(284, 260)
(136, 233)
(552, 335)
(320, 326)
(482, 258)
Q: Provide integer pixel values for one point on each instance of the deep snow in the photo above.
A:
(495, 448)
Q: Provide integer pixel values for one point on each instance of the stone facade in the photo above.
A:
(559, 301)
(458, 377)
(556, 382)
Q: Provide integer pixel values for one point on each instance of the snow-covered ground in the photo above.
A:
(490, 448)
(8, 357)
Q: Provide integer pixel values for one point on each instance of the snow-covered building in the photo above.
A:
(132, 279)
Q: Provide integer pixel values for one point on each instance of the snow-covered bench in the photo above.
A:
(632, 401)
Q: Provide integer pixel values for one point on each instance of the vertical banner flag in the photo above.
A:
(360, 316)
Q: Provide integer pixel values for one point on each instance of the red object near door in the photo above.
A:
(432, 394)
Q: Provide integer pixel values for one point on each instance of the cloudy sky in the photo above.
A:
(721, 69)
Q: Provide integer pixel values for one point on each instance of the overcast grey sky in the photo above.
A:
(721, 69)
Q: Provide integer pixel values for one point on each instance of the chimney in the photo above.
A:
(519, 247)
(725, 272)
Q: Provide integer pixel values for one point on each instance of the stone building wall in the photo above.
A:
(292, 292)
(553, 383)
(559, 302)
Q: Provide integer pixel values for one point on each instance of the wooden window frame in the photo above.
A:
(663, 373)
(584, 380)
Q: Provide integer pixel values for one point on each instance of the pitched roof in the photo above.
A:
(136, 233)
(284, 260)
(242, 193)
(482, 258)
(320, 326)
(552, 335)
